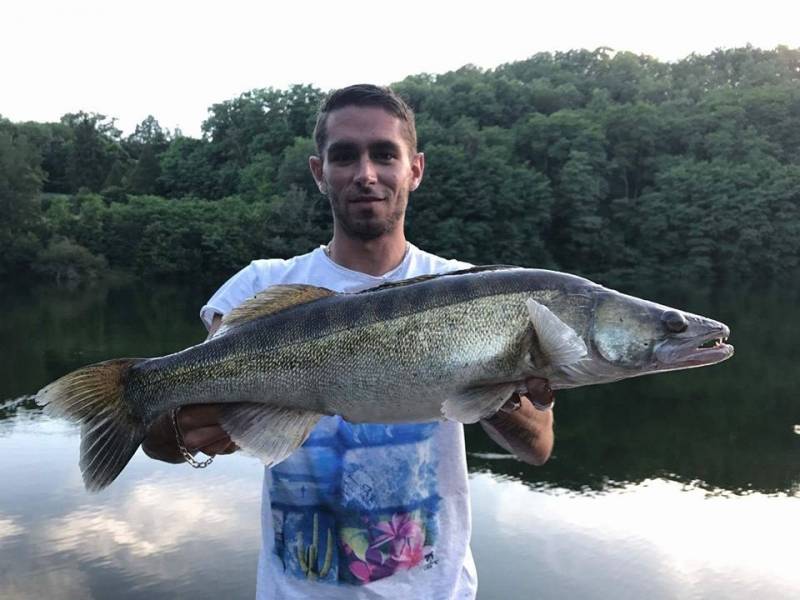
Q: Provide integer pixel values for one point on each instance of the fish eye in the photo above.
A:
(675, 321)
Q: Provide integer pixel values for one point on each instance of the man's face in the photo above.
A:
(366, 170)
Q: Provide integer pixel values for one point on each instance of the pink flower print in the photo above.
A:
(394, 544)
(360, 569)
(376, 566)
(406, 538)
(407, 552)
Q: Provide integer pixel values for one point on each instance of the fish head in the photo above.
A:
(638, 336)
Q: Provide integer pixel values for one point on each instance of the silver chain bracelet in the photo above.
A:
(187, 456)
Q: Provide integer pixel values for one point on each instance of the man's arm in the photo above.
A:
(527, 431)
(199, 425)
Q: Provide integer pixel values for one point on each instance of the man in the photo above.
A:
(378, 511)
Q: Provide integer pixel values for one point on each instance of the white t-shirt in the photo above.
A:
(369, 510)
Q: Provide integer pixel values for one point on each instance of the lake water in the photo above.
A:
(683, 485)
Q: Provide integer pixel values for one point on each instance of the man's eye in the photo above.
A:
(385, 156)
(342, 156)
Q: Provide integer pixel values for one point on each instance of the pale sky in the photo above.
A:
(175, 58)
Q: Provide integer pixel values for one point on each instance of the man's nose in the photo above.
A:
(366, 173)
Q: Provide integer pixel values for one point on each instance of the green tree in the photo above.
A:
(115, 184)
(257, 181)
(145, 175)
(186, 170)
(610, 164)
(65, 261)
(148, 133)
(580, 239)
(91, 151)
(259, 121)
(290, 224)
(293, 170)
(20, 183)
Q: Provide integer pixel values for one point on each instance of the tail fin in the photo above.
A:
(110, 434)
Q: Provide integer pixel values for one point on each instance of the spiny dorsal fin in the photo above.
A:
(419, 278)
(272, 300)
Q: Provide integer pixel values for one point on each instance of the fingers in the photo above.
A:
(199, 424)
(221, 447)
(512, 405)
(159, 443)
(195, 416)
(200, 437)
(539, 393)
(211, 441)
(229, 449)
(539, 388)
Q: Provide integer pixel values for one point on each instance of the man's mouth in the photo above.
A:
(365, 199)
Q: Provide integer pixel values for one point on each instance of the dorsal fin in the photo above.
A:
(420, 278)
(272, 300)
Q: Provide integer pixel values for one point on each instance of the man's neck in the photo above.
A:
(373, 257)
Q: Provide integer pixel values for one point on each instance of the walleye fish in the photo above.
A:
(452, 346)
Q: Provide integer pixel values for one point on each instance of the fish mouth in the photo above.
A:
(696, 351)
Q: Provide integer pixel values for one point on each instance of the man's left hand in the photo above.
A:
(524, 425)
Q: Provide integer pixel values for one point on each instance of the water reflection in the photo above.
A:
(160, 531)
(8, 527)
(166, 531)
(156, 516)
(9, 408)
(655, 539)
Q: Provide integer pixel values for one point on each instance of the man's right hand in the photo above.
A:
(199, 425)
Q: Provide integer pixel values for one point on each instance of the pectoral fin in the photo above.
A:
(270, 433)
(476, 403)
(558, 342)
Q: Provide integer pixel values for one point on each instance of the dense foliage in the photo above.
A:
(612, 165)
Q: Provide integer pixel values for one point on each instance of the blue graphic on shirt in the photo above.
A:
(357, 503)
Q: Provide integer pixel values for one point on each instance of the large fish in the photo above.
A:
(452, 346)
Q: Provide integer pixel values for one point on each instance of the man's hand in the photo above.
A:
(525, 430)
(199, 426)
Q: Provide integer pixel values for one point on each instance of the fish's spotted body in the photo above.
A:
(451, 346)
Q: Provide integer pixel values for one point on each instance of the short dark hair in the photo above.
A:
(365, 94)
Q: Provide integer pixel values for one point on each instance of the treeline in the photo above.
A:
(612, 165)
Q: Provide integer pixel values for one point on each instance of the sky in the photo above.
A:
(173, 59)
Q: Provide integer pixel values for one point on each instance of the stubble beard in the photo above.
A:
(366, 229)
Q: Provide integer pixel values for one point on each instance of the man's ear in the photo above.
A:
(315, 164)
(417, 169)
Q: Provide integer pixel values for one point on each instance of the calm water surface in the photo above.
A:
(684, 485)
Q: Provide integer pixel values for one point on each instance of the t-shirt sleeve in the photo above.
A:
(458, 265)
(233, 292)
(449, 265)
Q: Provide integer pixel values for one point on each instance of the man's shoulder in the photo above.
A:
(422, 261)
(256, 276)
(303, 268)
(276, 266)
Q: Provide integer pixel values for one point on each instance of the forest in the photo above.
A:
(612, 165)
